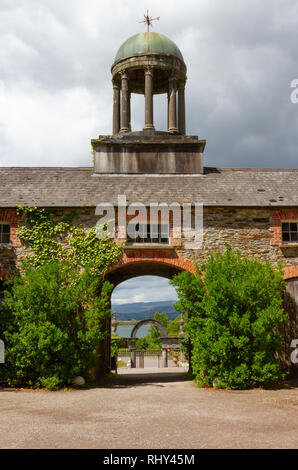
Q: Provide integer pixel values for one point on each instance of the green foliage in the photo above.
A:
(235, 321)
(117, 342)
(53, 325)
(51, 240)
(161, 318)
(144, 343)
(154, 335)
(153, 339)
(88, 250)
(41, 233)
(173, 327)
(54, 313)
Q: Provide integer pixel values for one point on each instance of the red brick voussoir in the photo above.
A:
(164, 257)
(156, 256)
(290, 272)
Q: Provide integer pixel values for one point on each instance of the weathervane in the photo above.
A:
(148, 20)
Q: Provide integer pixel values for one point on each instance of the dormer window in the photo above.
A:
(290, 232)
(4, 233)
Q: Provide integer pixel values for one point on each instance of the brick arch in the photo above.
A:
(148, 321)
(163, 263)
(290, 272)
(150, 263)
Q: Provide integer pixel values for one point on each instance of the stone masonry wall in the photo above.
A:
(248, 230)
(252, 231)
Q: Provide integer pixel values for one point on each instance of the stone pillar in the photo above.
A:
(116, 109)
(164, 357)
(149, 98)
(172, 105)
(129, 110)
(181, 109)
(133, 357)
(141, 360)
(168, 96)
(125, 103)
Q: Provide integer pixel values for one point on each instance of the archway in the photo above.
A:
(149, 321)
(150, 266)
(167, 341)
(135, 263)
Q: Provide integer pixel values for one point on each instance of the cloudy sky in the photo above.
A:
(56, 93)
(147, 289)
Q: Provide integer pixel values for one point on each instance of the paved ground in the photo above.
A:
(157, 410)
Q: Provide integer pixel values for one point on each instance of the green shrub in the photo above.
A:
(235, 321)
(54, 314)
(53, 323)
(173, 327)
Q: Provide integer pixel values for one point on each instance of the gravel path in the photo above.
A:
(160, 409)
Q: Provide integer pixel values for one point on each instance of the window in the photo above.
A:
(290, 232)
(158, 234)
(4, 233)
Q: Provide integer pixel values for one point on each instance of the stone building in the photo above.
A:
(254, 210)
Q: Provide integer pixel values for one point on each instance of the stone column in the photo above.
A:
(129, 110)
(149, 98)
(125, 103)
(181, 109)
(133, 357)
(172, 105)
(164, 357)
(168, 97)
(141, 360)
(116, 109)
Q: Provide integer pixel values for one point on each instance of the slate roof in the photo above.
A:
(80, 187)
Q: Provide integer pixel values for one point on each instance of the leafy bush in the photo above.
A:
(52, 319)
(235, 321)
(55, 313)
(173, 327)
(153, 338)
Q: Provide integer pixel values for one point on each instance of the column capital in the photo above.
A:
(124, 75)
(181, 85)
(115, 84)
(148, 70)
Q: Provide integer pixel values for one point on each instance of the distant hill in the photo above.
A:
(141, 310)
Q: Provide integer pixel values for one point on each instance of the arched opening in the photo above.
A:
(156, 323)
(130, 269)
(135, 273)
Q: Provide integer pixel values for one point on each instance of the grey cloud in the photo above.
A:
(55, 86)
(143, 289)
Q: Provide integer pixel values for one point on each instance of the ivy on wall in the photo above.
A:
(55, 315)
(59, 240)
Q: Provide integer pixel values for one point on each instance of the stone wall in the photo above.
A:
(255, 232)
(252, 231)
(248, 230)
